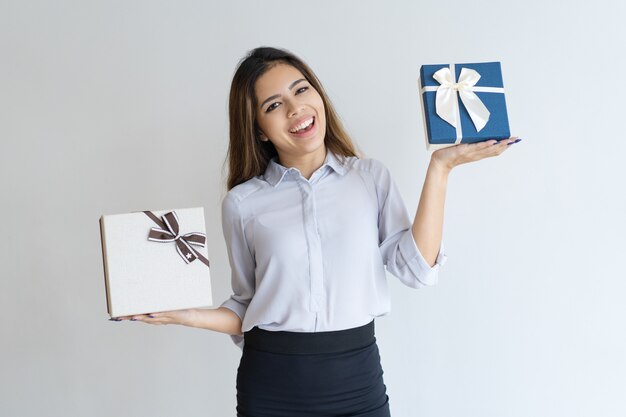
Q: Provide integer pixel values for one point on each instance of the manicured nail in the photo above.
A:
(115, 319)
(150, 315)
(133, 319)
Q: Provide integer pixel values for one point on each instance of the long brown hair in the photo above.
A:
(248, 156)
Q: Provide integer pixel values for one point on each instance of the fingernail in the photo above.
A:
(150, 315)
(115, 319)
(133, 319)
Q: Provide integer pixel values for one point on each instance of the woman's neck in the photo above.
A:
(307, 164)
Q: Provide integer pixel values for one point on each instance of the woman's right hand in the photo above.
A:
(183, 317)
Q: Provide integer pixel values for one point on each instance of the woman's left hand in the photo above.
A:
(469, 152)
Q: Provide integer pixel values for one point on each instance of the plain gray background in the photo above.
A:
(117, 106)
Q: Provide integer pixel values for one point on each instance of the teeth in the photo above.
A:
(302, 126)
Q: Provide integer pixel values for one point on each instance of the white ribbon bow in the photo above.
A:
(447, 104)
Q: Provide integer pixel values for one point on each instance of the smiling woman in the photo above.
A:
(294, 245)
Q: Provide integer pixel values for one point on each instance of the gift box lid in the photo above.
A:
(155, 261)
(439, 132)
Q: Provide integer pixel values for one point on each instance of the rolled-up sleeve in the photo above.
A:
(241, 260)
(397, 245)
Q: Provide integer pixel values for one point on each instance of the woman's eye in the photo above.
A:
(272, 107)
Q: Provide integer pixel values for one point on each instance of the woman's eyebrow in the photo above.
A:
(278, 95)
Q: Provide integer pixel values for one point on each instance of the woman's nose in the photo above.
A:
(293, 109)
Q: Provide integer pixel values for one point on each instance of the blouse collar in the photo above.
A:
(275, 172)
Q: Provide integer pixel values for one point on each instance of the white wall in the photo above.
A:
(528, 316)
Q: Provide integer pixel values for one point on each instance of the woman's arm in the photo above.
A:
(428, 224)
(219, 319)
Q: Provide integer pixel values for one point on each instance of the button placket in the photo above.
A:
(314, 246)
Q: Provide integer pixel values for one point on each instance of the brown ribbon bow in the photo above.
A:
(169, 231)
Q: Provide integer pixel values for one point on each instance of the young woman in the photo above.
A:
(310, 227)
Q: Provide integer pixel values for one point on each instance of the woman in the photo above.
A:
(309, 227)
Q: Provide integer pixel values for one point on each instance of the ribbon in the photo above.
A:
(169, 231)
(448, 92)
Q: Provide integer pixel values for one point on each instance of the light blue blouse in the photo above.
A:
(308, 255)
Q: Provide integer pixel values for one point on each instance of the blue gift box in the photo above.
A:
(470, 106)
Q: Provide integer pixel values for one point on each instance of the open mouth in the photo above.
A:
(306, 129)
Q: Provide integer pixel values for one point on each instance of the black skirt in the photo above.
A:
(296, 374)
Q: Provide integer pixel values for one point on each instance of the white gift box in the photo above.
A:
(155, 261)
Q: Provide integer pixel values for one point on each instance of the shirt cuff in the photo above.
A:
(240, 310)
(237, 307)
(426, 274)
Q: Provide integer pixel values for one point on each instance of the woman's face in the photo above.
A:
(287, 103)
